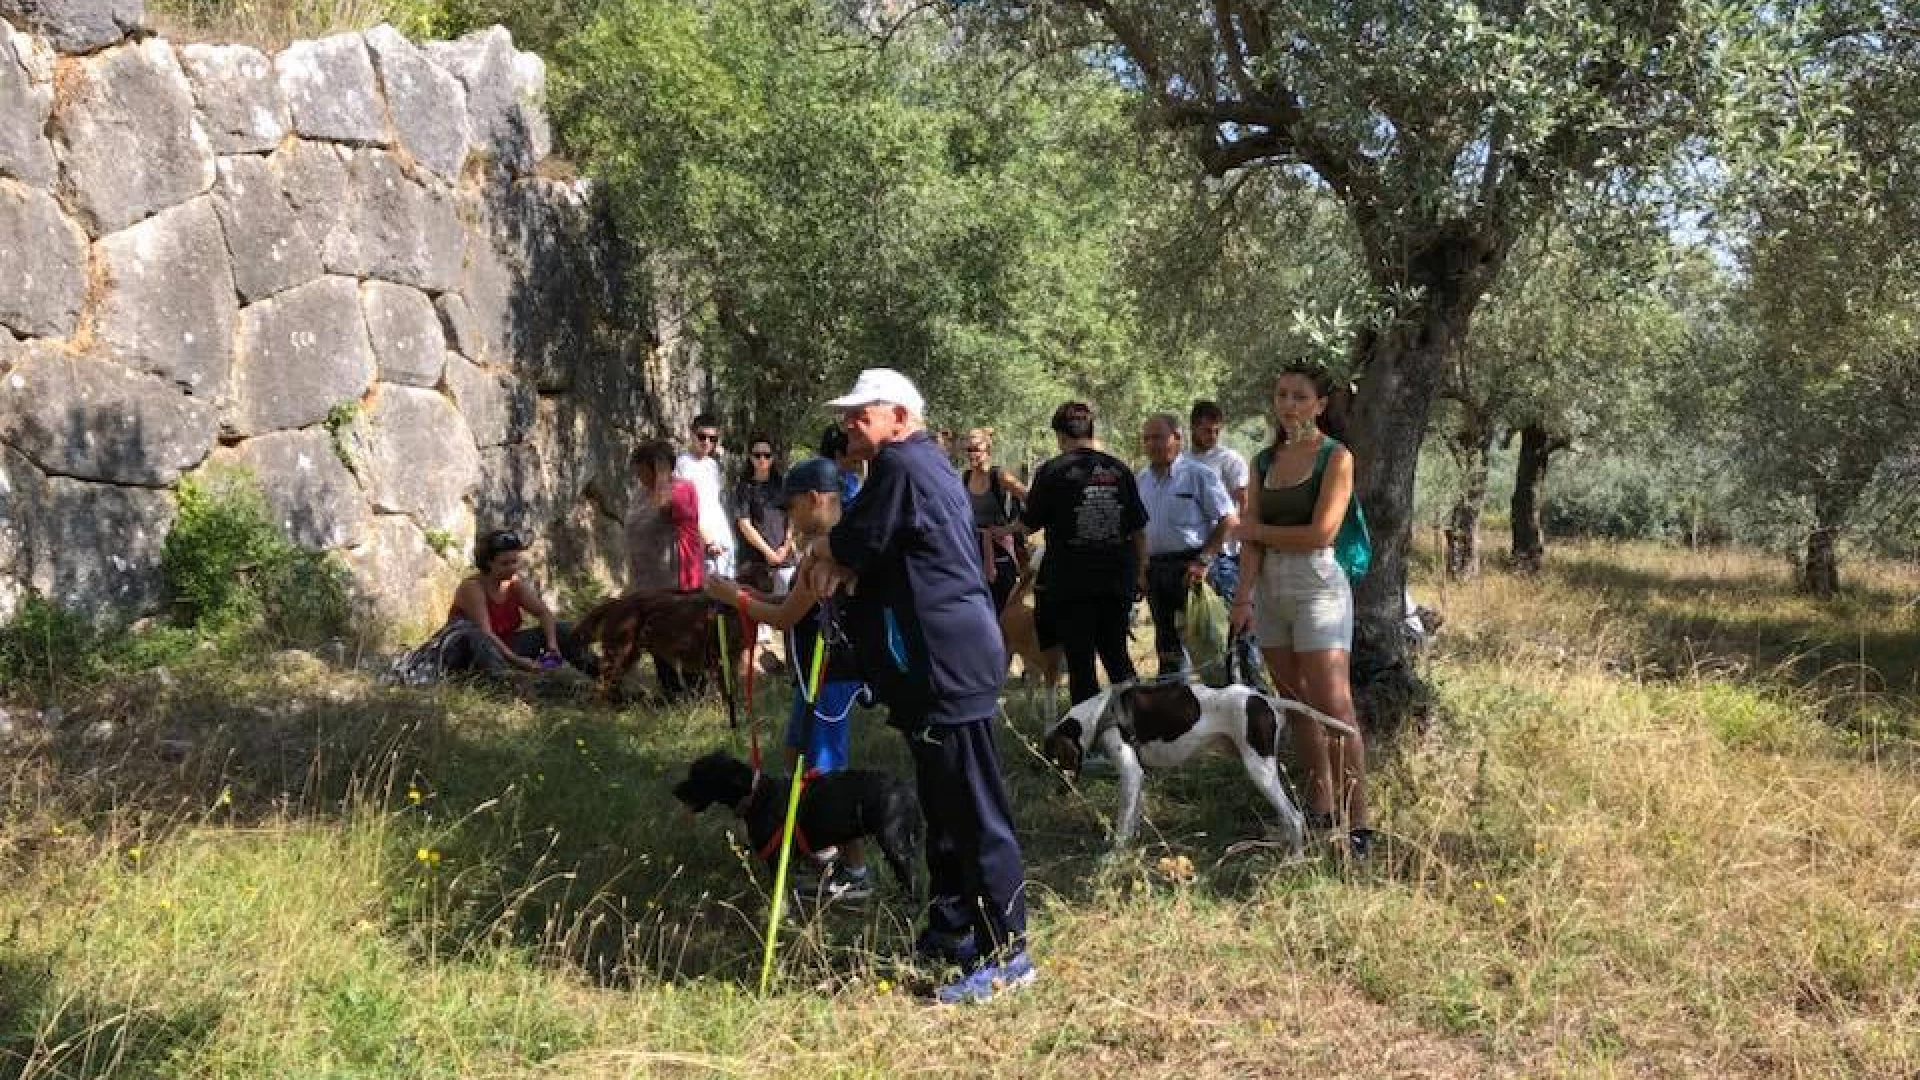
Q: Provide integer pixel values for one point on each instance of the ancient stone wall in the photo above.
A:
(344, 267)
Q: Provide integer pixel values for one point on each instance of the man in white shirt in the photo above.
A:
(1188, 517)
(700, 466)
(1204, 424)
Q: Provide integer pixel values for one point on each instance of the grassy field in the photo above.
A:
(1668, 823)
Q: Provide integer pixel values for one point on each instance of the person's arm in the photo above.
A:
(531, 599)
(1240, 615)
(471, 599)
(1216, 502)
(782, 615)
(872, 526)
(755, 541)
(1336, 489)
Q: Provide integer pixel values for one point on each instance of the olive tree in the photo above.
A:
(1445, 130)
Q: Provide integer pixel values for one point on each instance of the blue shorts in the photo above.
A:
(819, 732)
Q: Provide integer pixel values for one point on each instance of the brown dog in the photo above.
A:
(1023, 641)
(677, 628)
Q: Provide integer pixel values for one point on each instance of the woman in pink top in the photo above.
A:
(664, 550)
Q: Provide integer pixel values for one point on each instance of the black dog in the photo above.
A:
(835, 807)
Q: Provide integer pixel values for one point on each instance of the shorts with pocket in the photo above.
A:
(819, 730)
(1303, 602)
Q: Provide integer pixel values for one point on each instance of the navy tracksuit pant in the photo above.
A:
(976, 882)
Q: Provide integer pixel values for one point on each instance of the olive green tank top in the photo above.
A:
(1288, 505)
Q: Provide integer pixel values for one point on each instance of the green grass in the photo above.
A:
(1600, 863)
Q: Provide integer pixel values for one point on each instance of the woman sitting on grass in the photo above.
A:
(484, 634)
(818, 724)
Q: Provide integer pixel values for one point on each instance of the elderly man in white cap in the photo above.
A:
(922, 622)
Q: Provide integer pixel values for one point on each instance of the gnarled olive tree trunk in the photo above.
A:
(1471, 447)
(1820, 566)
(1537, 447)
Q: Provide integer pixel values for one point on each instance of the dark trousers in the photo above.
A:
(1167, 600)
(475, 652)
(1086, 627)
(976, 883)
(1006, 574)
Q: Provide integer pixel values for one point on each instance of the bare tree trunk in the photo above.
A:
(1470, 447)
(1529, 476)
(1820, 569)
(1400, 380)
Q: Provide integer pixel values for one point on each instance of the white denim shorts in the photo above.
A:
(1303, 602)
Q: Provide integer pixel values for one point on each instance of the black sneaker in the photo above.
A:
(849, 883)
(1360, 842)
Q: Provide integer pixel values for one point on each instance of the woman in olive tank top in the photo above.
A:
(1295, 596)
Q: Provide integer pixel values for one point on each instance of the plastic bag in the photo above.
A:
(1206, 628)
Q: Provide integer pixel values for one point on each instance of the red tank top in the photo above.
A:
(503, 618)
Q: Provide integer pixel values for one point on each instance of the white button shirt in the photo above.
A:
(1184, 507)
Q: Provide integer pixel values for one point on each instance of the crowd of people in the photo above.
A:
(887, 565)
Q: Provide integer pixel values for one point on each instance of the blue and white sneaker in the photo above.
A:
(989, 982)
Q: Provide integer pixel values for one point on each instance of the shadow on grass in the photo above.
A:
(54, 1036)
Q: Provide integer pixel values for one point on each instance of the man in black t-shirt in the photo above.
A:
(1089, 506)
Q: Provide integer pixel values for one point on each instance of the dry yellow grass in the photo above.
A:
(1644, 838)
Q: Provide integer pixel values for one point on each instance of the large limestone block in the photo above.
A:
(76, 26)
(405, 331)
(25, 102)
(96, 547)
(127, 138)
(401, 579)
(462, 330)
(499, 408)
(299, 355)
(240, 104)
(88, 418)
(309, 489)
(313, 176)
(396, 229)
(330, 90)
(168, 305)
(21, 485)
(416, 457)
(489, 291)
(506, 91)
(427, 104)
(272, 250)
(43, 264)
(517, 488)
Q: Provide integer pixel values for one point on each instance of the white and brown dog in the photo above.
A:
(1160, 724)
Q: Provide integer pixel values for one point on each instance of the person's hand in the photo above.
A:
(1196, 572)
(822, 575)
(780, 555)
(722, 589)
(713, 549)
(1240, 616)
(1247, 532)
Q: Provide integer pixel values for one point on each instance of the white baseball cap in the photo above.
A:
(876, 385)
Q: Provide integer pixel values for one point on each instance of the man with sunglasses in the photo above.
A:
(700, 466)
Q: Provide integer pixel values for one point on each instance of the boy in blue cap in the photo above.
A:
(817, 725)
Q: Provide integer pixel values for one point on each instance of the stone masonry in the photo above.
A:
(342, 268)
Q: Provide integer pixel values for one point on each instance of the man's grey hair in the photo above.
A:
(1170, 420)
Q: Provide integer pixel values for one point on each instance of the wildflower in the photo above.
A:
(884, 986)
(135, 852)
(413, 795)
(1478, 885)
(428, 856)
(226, 797)
(1499, 899)
(166, 904)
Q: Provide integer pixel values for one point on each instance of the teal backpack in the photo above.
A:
(1352, 545)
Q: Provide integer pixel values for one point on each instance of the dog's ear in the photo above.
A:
(1062, 745)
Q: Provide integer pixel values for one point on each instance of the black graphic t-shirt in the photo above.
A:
(1090, 508)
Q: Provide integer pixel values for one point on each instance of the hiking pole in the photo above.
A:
(787, 829)
(726, 672)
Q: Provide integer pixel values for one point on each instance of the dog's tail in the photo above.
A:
(1287, 705)
(1023, 584)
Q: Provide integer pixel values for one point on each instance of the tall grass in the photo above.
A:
(1649, 834)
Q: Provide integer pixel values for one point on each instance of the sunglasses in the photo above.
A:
(762, 455)
(707, 436)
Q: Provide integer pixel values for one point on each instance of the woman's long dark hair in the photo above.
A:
(1338, 394)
